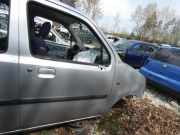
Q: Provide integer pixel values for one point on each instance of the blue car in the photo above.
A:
(164, 68)
(138, 53)
(121, 47)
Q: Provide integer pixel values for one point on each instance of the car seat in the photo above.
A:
(39, 46)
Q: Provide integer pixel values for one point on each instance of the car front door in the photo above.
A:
(56, 88)
(135, 54)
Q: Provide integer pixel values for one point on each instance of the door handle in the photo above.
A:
(46, 73)
(101, 67)
(30, 69)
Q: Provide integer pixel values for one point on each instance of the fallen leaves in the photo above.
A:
(128, 117)
(140, 117)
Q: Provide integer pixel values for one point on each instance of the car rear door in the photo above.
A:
(135, 55)
(163, 68)
(171, 69)
(56, 90)
(153, 70)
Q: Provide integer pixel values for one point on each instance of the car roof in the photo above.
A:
(174, 48)
(134, 42)
(138, 41)
(165, 45)
(178, 48)
(168, 49)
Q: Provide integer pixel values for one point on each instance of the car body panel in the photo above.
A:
(127, 81)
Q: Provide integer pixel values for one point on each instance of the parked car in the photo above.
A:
(165, 45)
(164, 68)
(138, 53)
(121, 47)
(44, 82)
(112, 39)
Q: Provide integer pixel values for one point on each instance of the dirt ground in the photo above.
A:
(155, 114)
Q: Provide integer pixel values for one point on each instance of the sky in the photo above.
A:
(125, 9)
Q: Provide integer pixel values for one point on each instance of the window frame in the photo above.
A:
(8, 28)
(30, 3)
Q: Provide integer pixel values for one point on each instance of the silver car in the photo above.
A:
(44, 82)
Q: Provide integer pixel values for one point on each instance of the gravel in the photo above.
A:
(160, 99)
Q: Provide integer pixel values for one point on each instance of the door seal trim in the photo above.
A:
(48, 100)
(49, 125)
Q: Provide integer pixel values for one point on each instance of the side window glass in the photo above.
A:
(170, 56)
(139, 48)
(150, 49)
(57, 36)
(175, 57)
(162, 55)
(4, 23)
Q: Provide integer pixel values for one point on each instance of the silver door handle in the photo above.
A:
(101, 67)
(30, 69)
(46, 73)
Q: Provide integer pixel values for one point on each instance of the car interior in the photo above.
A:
(78, 42)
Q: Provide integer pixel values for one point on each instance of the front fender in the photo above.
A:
(127, 82)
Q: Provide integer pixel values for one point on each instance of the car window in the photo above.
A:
(4, 23)
(175, 57)
(57, 36)
(168, 55)
(162, 55)
(143, 48)
(150, 49)
(122, 46)
(138, 48)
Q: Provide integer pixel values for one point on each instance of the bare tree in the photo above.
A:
(139, 20)
(168, 21)
(116, 25)
(151, 22)
(92, 8)
(156, 25)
